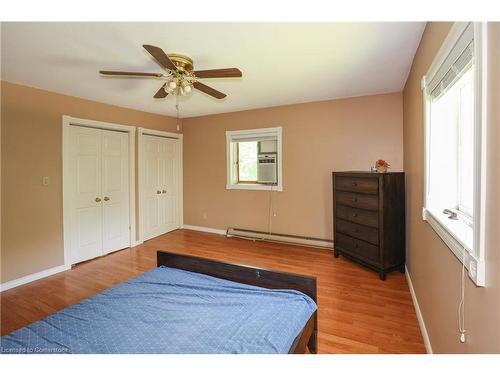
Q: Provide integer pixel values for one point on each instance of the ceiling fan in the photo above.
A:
(180, 77)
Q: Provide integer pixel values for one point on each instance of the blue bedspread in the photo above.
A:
(167, 310)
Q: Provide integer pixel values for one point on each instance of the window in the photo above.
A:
(247, 161)
(451, 151)
(453, 203)
(254, 159)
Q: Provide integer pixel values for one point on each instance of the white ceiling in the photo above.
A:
(282, 63)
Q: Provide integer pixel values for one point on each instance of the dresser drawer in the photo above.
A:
(366, 201)
(357, 248)
(369, 218)
(356, 184)
(357, 231)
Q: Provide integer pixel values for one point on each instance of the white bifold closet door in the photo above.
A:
(99, 192)
(160, 185)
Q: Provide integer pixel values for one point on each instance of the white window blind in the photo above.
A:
(458, 61)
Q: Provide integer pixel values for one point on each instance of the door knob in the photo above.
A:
(163, 191)
(98, 199)
(158, 192)
(106, 199)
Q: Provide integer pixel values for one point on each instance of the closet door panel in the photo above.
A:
(170, 184)
(159, 185)
(150, 187)
(162, 178)
(115, 190)
(85, 187)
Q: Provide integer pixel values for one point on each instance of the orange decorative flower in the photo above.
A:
(382, 163)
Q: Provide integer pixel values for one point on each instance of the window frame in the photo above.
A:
(473, 256)
(232, 136)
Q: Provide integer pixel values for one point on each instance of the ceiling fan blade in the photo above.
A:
(218, 73)
(161, 93)
(134, 74)
(160, 57)
(208, 90)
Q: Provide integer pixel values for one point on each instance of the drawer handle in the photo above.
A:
(354, 215)
(355, 199)
(354, 184)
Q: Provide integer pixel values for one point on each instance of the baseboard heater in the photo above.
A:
(277, 237)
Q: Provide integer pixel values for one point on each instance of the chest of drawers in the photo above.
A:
(369, 219)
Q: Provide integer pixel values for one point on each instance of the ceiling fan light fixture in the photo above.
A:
(172, 85)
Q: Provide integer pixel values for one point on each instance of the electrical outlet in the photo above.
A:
(205, 216)
(45, 180)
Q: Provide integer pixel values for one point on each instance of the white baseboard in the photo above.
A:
(420, 318)
(35, 276)
(137, 243)
(204, 229)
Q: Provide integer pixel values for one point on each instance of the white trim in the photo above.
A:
(480, 151)
(420, 318)
(472, 263)
(475, 261)
(181, 181)
(33, 277)
(97, 124)
(204, 229)
(253, 187)
(68, 121)
(176, 136)
(160, 133)
(249, 133)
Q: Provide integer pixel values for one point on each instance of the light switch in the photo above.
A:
(45, 180)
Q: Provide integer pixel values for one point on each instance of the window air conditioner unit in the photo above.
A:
(267, 169)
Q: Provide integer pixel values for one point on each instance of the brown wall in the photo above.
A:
(32, 233)
(318, 138)
(434, 270)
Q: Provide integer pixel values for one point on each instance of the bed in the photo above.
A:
(187, 304)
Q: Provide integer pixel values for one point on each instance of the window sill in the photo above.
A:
(458, 236)
(254, 187)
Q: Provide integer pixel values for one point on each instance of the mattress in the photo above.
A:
(167, 310)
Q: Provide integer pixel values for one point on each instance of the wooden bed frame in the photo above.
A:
(253, 276)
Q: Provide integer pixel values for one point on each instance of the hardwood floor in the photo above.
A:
(358, 313)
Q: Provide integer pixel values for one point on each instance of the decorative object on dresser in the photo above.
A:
(381, 166)
(369, 219)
